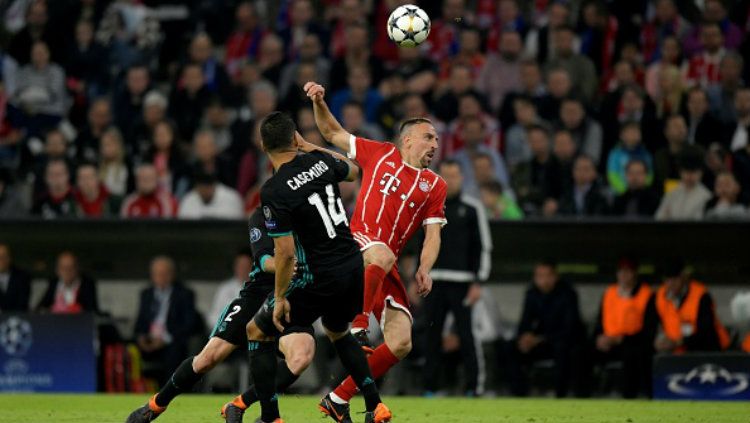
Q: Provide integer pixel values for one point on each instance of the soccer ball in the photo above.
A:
(408, 26)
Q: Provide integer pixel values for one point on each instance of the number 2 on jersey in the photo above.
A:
(334, 214)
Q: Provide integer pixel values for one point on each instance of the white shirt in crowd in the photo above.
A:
(228, 291)
(225, 204)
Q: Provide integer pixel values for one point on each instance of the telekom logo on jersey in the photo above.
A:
(390, 183)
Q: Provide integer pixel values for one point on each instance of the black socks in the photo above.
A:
(183, 379)
(354, 361)
(263, 369)
(284, 379)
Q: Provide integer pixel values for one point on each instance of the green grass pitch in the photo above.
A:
(104, 408)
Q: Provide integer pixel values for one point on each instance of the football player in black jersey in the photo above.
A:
(305, 217)
(230, 331)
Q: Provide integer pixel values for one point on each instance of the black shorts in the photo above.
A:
(233, 321)
(334, 296)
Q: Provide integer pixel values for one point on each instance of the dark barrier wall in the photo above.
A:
(720, 252)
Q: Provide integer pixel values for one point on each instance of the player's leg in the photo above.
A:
(379, 260)
(262, 346)
(229, 333)
(353, 358)
(397, 345)
(299, 350)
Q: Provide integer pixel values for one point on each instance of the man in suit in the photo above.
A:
(69, 291)
(15, 284)
(166, 318)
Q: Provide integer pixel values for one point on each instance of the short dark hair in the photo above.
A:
(408, 123)
(547, 262)
(538, 127)
(451, 162)
(277, 131)
(634, 162)
(492, 186)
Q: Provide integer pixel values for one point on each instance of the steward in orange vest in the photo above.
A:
(688, 316)
(626, 327)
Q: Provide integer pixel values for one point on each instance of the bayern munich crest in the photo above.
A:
(424, 185)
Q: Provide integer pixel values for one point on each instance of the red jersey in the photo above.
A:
(395, 198)
(160, 205)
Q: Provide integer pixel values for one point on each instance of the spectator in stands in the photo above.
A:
(506, 62)
(58, 200)
(724, 205)
(271, 59)
(210, 199)
(445, 30)
(113, 170)
(166, 318)
(626, 328)
(517, 148)
(550, 328)
(69, 291)
(457, 281)
(714, 14)
(86, 64)
(666, 172)
(469, 53)
(599, 31)
(229, 133)
(166, 155)
(296, 98)
(311, 52)
(703, 127)
(201, 53)
(532, 86)
(741, 169)
(417, 70)
(37, 28)
(301, 22)
(155, 106)
(263, 100)
(11, 202)
(630, 148)
(687, 201)
(131, 31)
(41, 86)
(670, 55)
(540, 43)
(722, 94)
(230, 288)
(703, 67)
(348, 13)
(666, 24)
(91, 195)
(498, 205)
(358, 53)
(473, 134)
(687, 314)
(670, 94)
(739, 129)
(55, 148)
(531, 178)
(639, 200)
(189, 100)
(127, 103)
(580, 68)
(206, 159)
(99, 120)
(243, 44)
(587, 133)
(359, 90)
(559, 87)
(460, 83)
(561, 169)
(634, 105)
(15, 284)
(353, 121)
(148, 201)
(588, 197)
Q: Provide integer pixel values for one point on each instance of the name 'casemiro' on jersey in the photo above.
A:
(316, 171)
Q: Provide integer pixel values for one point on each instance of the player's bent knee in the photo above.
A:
(383, 257)
(400, 347)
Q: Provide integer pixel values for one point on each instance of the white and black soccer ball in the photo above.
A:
(15, 336)
(408, 26)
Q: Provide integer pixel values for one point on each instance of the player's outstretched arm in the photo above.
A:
(308, 147)
(430, 251)
(327, 123)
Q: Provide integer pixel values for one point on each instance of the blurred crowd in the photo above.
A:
(143, 108)
(670, 312)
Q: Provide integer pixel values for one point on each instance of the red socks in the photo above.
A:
(381, 360)
(374, 276)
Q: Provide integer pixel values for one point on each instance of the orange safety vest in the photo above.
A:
(746, 344)
(623, 316)
(673, 319)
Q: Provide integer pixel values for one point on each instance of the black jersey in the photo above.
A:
(303, 199)
(262, 247)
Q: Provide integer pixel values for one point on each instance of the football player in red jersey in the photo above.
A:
(399, 193)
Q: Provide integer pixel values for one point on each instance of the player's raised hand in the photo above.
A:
(314, 91)
(281, 311)
(424, 282)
